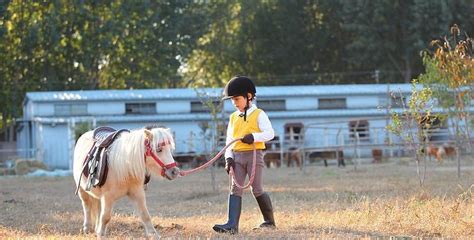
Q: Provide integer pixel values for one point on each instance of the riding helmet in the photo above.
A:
(239, 86)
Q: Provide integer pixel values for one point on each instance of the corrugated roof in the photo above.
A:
(352, 113)
(189, 93)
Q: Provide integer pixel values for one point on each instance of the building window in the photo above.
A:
(332, 103)
(272, 105)
(140, 108)
(200, 107)
(74, 109)
(294, 133)
(359, 129)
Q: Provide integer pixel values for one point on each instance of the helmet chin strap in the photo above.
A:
(246, 107)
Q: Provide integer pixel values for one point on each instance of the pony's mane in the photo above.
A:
(127, 153)
(162, 135)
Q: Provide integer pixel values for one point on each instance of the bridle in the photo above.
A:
(149, 153)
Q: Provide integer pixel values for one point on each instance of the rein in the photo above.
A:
(149, 153)
(231, 172)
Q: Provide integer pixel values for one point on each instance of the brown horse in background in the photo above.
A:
(440, 152)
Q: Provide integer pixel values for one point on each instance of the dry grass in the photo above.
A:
(375, 201)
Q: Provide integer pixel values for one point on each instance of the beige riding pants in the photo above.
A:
(243, 168)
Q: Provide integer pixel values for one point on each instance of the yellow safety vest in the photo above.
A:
(242, 128)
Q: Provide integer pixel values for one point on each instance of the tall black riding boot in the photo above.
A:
(265, 205)
(232, 225)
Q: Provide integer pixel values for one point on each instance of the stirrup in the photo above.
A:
(89, 184)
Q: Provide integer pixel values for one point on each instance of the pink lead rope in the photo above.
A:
(231, 172)
(252, 175)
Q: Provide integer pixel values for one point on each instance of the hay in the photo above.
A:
(23, 166)
(7, 171)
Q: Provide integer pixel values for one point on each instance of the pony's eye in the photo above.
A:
(159, 150)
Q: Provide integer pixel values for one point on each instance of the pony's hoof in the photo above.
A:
(100, 237)
(85, 230)
(154, 236)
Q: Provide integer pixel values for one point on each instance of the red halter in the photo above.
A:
(149, 153)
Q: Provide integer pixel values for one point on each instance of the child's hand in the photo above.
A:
(229, 162)
(248, 139)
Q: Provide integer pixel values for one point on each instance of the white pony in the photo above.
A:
(131, 156)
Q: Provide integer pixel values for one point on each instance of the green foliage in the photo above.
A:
(447, 82)
(449, 70)
(274, 42)
(411, 124)
(388, 35)
(73, 45)
(294, 42)
(82, 128)
(434, 79)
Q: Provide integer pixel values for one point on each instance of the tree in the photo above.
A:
(213, 131)
(74, 45)
(388, 35)
(150, 41)
(274, 42)
(413, 123)
(450, 73)
(448, 82)
(5, 83)
(320, 42)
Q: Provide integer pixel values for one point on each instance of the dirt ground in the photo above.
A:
(376, 200)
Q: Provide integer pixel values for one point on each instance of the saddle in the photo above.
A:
(96, 162)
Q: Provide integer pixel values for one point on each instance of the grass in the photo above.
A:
(377, 200)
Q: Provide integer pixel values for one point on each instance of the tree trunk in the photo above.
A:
(4, 127)
(408, 71)
(11, 134)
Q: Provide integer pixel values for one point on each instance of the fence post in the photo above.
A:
(190, 142)
(71, 140)
(282, 147)
(391, 147)
(356, 150)
(376, 136)
(326, 140)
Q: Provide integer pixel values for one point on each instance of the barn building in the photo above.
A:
(306, 117)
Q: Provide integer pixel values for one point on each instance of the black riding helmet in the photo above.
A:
(239, 86)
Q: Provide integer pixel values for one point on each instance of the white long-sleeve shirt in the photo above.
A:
(264, 124)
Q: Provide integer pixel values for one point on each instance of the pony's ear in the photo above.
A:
(148, 134)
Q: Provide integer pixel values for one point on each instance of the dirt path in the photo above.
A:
(187, 207)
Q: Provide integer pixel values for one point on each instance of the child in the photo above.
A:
(251, 124)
